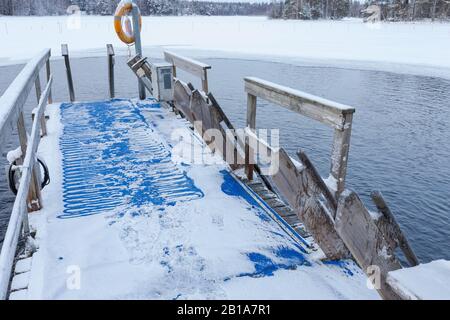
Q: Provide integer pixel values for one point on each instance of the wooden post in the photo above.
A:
(34, 194)
(38, 96)
(111, 62)
(49, 72)
(65, 54)
(339, 153)
(174, 71)
(205, 82)
(367, 244)
(251, 123)
(391, 230)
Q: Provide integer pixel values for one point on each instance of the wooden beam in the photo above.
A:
(340, 152)
(19, 216)
(14, 98)
(191, 66)
(65, 54)
(251, 123)
(305, 195)
(367, 244)
(111, 62)
(322, 110)
(391, 230)
(49, 73)
(38, 96)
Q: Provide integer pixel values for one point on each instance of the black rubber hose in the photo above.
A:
(12, 178)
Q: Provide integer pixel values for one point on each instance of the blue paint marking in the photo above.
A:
(342, 264)
(232, 188)
(112, 157)
(285, 258)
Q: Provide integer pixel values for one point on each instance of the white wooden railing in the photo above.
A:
(336, 115)
(28, 196)
(189, 65)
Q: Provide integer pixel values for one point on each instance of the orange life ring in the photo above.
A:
(123, 26)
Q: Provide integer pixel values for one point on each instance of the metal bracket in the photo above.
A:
(143, 71)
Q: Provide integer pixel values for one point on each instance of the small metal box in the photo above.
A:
(162, 81)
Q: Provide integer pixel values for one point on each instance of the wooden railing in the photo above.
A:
(191, 66)
(28, 196)
(337, 116)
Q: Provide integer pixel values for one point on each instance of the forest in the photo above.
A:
(389, 10)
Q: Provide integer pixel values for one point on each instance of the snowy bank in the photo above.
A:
(429, 281)
(419, 44)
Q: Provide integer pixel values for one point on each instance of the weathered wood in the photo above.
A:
(49, 73)
(38, 96)
(192, 66)
(325, 111)
(391, 230)
(249, 159)
(65, 54)
(182, 99)
(111, 63)
(306, 197)
(318, 181)
(19, 215)
(339, 153)
(37, 86)
(251, 123)
(365, 241)
(34, 194)
(14, 98)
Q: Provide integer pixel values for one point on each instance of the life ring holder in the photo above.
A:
(123, 9)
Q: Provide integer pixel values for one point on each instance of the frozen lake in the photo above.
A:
(399, 143)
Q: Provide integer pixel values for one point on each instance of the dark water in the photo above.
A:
(400, 143)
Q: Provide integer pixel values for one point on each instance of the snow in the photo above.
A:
(429, 281)
(421, 47)
(213, 247)
(23, 265)
(13, 155)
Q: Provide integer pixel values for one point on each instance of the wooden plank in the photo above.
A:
(38, 96)
(34, 195)
(306, 197)
(340, 152)
(65, 54)
(49, 73)
(365, 241)
(251, 124)
(111, 62)
(192, 66)
(322, 110)
(19, 216)
(14, 98)
(182, 99)
(391, 230)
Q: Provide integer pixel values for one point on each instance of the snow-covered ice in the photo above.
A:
(352, 43)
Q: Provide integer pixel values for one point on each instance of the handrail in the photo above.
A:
(12, 110)
(325, 111)
(192, 66)
(14, 98)
(331, 113)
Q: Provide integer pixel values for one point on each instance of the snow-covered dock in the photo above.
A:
(126, 217)
(148, 198)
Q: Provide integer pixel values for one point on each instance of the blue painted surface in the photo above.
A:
(112, 157)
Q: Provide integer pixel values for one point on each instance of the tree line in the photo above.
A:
(147, 7)
(390, 10)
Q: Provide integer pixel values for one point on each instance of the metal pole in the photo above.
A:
(138, 44)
